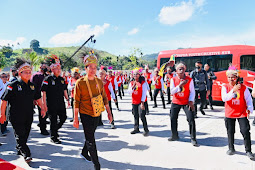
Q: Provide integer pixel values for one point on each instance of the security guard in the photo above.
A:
(201, 84)
(54, 89)
(21, 94)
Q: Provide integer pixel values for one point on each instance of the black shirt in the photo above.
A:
(20, 97)
(54, 88)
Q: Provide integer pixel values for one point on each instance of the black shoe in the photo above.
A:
(154, 106)
(0, 144)
(203, 112)
(250, 155)
(164, 107)
(113, 126)
(146, 133)
(231, 152)
(97, 166)
(173, 138)
(44, 132)
(134, 132)
(28, 159)
(55, 140)
(168, 103)
(86, 157)
(211, 107)
(205, 107)
(194, 142)
(19, 153)
(47, 122)
(195, 116)
(253, 123)
(71, 120)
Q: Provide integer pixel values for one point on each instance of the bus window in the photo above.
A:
(163, 60)
(189, 61)
(247, 62)
(222, 62)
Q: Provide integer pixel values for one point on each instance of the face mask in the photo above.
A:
(197, 68)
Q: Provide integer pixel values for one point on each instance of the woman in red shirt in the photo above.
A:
(138, 89)
(238, 105)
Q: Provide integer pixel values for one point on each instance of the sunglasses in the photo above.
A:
(4, 76)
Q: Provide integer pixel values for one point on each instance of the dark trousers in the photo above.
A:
(210, 97)
(244, 129)
(119, 90)
(100, 117)
(122, 89)
(156, 91)
(21, 130)
(89, 124)
(116, 103)
(138, 112)
(202, 100)
(168, 95)
(4, 125)
(146, 107)
(174, 113)
(150, 92)
(72, 100)
(54, 115)
(42, 121)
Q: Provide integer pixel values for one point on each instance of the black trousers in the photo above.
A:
(210, 96)
(138, 112)
(54, 115)
(122, 89)
(89, 124)
(119, 90)
(202, 100)
(42, 121)
(72, 100)
(244, 129)
(116, 103)
(100, 117)
(174, 113)
(21, 130)
(4, 125)
(150, 92)
(146, 106)
(168, 95)
(156, 91)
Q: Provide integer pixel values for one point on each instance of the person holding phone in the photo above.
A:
(238, 106)
(182, 89)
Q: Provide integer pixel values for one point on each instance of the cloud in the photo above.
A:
(171, 15)
(133, 31)
(81, 33)
(19, 40)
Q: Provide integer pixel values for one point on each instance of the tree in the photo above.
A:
(34, 44)
(67, 63)
(7, 51)
(35, 59)
(2, 60)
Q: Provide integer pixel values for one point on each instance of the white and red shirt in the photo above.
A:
(148, 77)
(112, 79)
(159, 83)
(139, 92)
(71, 85)
(168, 77)
(236, 104)
(182, 96)
(109, 90)
(119, 80)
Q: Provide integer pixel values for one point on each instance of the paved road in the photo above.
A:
(118, 149)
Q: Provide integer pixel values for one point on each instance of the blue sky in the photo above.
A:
(119, 25)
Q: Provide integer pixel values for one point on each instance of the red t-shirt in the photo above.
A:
(137, 92)
(147, 77)
(158, 84)
(119, 79)
(182, 97)
(236, 108)
(107, 91)
(168, 78)
(111, 79)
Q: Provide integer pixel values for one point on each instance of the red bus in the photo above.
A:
(241, 56)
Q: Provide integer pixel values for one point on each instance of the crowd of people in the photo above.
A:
(89, 95)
